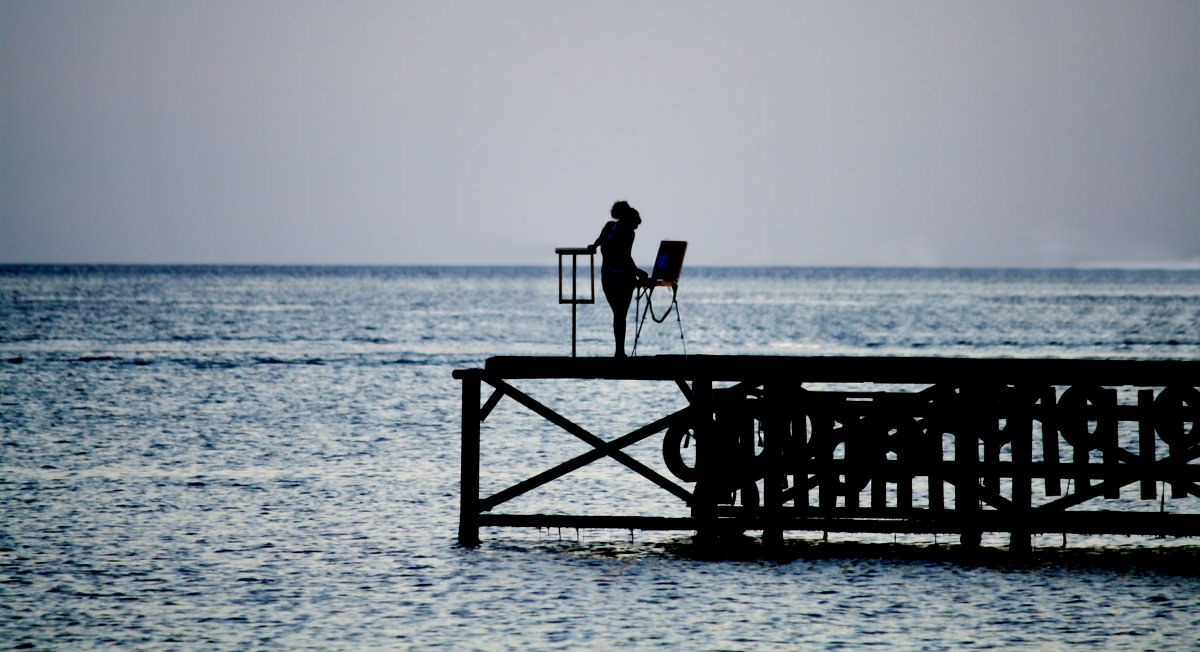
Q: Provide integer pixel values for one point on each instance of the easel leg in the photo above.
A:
(641, 320)
(679, 320)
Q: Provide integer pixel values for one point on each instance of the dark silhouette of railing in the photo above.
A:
(915, 445)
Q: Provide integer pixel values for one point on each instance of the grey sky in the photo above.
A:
(786, 133)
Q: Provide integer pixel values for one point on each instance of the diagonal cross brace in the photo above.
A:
(1126, 474)
(602, 449)
(490, 405)
(489, 503)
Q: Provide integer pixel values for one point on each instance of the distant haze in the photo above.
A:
(947, 133)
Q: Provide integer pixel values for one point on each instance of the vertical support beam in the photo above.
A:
(877, 434)
(991, 455)
(989, 432)
(966, 461)
(797, 450)
(1081, 458)
(1164, 423)
(1019, 427)
(1146, 448)
(902, 471)
(856, 435)
(708, 448)
(1048, 401)
(904, 485)
(468, 511)
(933, 448)
(1106, 432)
(740, 435)
(775, 394)
(827, 469)
(934, 452)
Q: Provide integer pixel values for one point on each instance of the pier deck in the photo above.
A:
(902, 445)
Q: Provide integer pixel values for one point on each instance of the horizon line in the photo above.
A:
(1181, 265)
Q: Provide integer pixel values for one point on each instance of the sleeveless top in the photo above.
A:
(616, 246)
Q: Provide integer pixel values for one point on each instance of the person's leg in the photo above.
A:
(620, 314)
(619, 291)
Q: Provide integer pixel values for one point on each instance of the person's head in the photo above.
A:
(623, 212)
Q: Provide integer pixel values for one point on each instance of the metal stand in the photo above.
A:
(574, 253)
(646, 291)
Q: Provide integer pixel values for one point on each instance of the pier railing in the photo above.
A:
(891, 445)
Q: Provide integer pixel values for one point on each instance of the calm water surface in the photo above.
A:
(250, 458)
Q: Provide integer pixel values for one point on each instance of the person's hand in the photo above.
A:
(592, 248)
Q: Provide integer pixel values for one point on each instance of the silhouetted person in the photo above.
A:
(618, 274)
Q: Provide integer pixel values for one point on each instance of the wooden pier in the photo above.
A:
(898, 445)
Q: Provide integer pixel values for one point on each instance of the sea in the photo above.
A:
(259, 458)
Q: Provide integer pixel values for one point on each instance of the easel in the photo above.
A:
(646, 290)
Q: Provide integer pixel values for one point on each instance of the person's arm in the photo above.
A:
(638, 274)
(600, 238)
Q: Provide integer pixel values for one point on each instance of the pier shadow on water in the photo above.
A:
(1179, 561)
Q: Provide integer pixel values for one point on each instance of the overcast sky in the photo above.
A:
(956, 133)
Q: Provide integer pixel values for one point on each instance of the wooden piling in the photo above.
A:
(468, 515)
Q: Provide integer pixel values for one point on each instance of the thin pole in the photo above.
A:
(678, 319)
(574, 298)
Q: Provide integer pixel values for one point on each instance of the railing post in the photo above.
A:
(468, 514)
